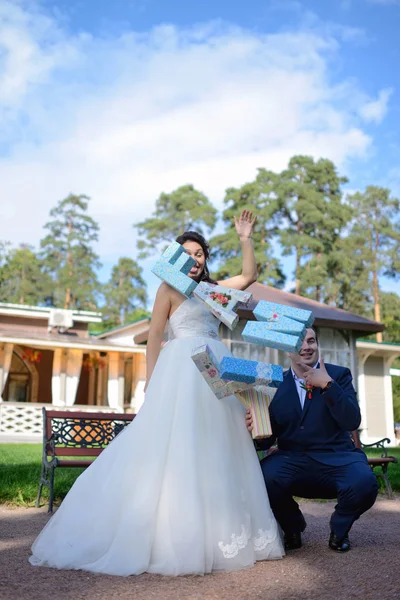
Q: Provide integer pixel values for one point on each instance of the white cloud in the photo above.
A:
(124, 118)
(374, 111)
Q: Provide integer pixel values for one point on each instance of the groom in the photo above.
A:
(316, 457)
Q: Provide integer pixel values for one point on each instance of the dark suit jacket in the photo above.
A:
(322, 428)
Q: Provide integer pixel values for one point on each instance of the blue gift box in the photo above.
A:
(209, 367)
(258, 333)
(250, 371)
(264, 311)
(173, 252)
(173, 267)
(283, 325)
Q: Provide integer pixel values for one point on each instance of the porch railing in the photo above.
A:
(22, 421)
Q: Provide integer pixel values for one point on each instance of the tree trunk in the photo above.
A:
(375, 287)
(21, 298)
(121, 315)
(297, 269)
(68, 294)
(67, 301)
(318, 287)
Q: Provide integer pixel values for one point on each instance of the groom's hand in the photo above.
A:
(249, 420)
(318, 378)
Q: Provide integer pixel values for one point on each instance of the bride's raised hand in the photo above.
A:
(244, 224)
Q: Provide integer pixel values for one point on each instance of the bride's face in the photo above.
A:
(195, 251)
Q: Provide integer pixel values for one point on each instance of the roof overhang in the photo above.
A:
(86, 345)
(43, 312)
(378, 348)
(141, 338)
(123, 328)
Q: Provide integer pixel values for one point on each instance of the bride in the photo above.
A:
(180, 490)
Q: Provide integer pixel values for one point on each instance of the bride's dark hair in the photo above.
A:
(193, 236)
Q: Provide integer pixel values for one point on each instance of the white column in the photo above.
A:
(116, 381)
(362, 394)
(138, 381)
(6, 351)
(91, 389)
(388, 397)
(362, 399)
(133, 384)
(73, 373)
(138, 397)
(58, 377)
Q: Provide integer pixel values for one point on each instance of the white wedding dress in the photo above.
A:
(180, 490)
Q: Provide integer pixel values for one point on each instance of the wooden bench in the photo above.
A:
(382, 461)
(69, 435)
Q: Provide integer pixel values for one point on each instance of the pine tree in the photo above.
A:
(259, 197)
(183, 209)
(68, 255)
(348, 286)
(377, 224)
(390, 314)
(313, 217)
(24, 280)
(125, 293)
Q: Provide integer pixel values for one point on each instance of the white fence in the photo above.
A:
(23, 422)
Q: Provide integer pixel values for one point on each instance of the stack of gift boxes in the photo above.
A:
(276, 326)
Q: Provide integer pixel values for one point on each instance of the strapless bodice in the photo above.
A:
(192, 319)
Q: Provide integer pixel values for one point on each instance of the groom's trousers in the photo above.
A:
(297, 474)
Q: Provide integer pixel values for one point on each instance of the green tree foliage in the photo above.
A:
(377, 228)
(259, 197)
(313, 216)
(23, 278)
(347, 284)
(390, 316)
(183, 209)
(4, 251)
(396, 395)
(125, 293)
(68, 255)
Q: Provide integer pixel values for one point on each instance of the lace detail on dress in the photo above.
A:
(192, 319)
(238, 542)
(264, 538)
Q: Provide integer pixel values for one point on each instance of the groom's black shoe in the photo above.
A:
(339, 544)
(292, 541)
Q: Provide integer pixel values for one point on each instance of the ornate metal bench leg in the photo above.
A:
(387, 482)
(41, 481)
(51, 489)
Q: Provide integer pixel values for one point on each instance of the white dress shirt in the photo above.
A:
(300, 390)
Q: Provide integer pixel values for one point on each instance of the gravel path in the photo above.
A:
(370, 571)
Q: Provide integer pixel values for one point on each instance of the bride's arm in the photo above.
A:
(161, 310)
(244, 228)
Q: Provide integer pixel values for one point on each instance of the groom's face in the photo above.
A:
(309, 350)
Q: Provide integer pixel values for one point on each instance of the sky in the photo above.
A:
(124, 100)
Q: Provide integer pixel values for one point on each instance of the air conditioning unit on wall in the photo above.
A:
(60, 318)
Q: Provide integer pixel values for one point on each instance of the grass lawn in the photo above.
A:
(20, 472)
(20, 466)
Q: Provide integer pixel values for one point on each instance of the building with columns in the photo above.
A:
(42, 364)
(375, 388)
(48, 358)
